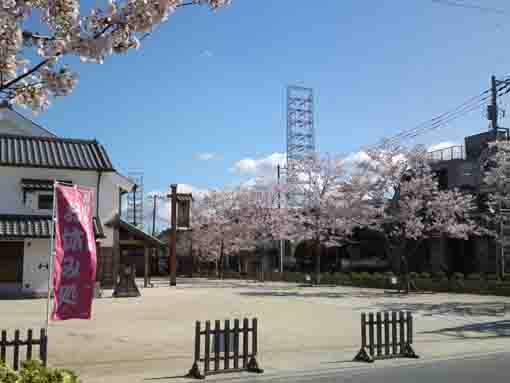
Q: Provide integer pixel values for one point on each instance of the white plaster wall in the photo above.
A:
(36, 252)
(11, 193)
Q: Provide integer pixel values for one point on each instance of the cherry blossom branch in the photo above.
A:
(28, 35)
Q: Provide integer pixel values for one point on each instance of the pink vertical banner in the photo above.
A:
(74, 270)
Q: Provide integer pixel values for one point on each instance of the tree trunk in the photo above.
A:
(317, 262)
(222, 261)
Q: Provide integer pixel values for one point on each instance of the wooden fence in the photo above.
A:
(222, 346)
(28, 343)
(396, 342)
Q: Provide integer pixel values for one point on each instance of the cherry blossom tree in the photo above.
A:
(33, 48)
(418, 209)
(496, 168)
(226, 230)
(263, 215)
(318, 192)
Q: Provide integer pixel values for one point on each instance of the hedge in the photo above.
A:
(439, 282)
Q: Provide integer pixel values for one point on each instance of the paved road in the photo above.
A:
(491, 368)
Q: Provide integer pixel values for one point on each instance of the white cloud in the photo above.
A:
(440, 146)
(259, 167)
(356, 157)
(206, 53)
(207, 156)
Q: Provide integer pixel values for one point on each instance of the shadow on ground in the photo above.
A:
(347, 295)
(483, 330)
(462, 309)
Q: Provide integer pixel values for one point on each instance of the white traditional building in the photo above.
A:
(31, 158)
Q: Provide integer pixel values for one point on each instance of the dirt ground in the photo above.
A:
(136, 339)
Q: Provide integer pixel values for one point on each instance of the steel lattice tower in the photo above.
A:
(300, 133)
(135, 200)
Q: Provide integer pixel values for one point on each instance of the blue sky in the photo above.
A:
(215, 82)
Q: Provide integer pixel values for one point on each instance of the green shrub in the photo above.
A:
(458, 276)
(413, 275)
(34, 372)
(7, 375)
(506, 277)
(365, 276)
(424, 276)
(355, 276)
(378, 276)
(474, 277)
(492, 277)
(440, 275)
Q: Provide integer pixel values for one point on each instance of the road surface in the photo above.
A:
(490, 368)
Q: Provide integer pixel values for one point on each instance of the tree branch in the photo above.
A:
(27, 34)
(28, 73)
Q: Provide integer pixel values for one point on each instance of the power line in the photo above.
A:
(443, 119)
(460, 4)
(439, 120)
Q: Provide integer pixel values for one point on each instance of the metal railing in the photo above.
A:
(447, 154)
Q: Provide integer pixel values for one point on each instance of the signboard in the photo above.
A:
(74, 270)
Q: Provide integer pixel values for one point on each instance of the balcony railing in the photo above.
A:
(448, 154)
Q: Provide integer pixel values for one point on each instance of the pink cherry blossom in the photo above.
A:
(65, 29)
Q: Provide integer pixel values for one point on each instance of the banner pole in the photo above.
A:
(52, 251)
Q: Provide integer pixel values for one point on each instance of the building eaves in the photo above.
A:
(53, 153)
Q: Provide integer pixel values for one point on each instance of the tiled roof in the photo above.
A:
(135, 231)
(50, 152)
(34, 226)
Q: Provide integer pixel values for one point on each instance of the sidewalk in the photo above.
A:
(134, 339)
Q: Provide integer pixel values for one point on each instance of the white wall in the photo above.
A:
(11, 200)
(36, 252)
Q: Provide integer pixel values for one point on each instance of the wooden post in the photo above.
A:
(394, 333)
(197, 342)
(379, 334)
(226, 352)
(172, 260)
(245, 342)
(217, 345)
(43, 347)
(195, 369)
(408, 348)
(363, 330)
(16, 350)
(386, 333)
(207, 351)
(363, 355)
(236, 343)
(116, 255)
(371, 334)
(146, 266)
(409, 328)
(401, 331)
(29, 345)
(3, 346)
(254, 338)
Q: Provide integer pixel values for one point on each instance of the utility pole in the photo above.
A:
(154, 198)
(279, 206)
(134, 205)
(493, 117)
(493, 108)
(172, 259)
